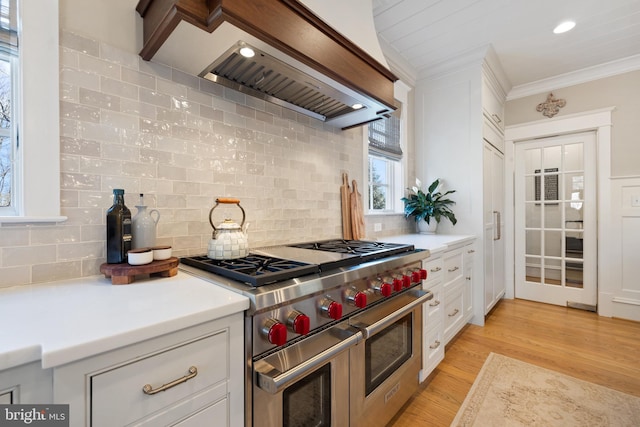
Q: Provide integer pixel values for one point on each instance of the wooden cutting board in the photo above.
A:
(357, 214)
(346, 207)
(124, 274)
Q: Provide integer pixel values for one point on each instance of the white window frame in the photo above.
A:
(37, 117)
(398, 175)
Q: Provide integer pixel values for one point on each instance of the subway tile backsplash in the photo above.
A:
(183, 142)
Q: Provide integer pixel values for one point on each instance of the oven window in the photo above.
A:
(386, 351)
(307, 403)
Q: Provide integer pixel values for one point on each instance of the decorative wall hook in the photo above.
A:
(551, 107)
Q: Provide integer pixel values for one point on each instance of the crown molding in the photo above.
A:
(585, 75)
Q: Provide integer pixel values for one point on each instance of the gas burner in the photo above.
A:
(256, 270)
(366, 250)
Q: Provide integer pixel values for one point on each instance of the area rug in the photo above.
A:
(508, 392)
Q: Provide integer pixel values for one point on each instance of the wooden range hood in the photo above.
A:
(195, 35)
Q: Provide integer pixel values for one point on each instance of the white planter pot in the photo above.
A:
(424, 228)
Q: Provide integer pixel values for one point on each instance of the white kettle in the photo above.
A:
(229, 240)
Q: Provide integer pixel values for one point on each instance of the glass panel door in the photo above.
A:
(555, 219)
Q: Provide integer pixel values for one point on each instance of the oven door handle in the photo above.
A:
(275, 381)
(420, 296)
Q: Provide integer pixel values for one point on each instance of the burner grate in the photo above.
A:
(255, 270)
(366, 250)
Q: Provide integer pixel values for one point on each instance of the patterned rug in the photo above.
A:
(508, 392)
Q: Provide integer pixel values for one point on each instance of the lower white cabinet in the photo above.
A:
(193, 377)
(28, 383)
(433, 317)
(458, 288)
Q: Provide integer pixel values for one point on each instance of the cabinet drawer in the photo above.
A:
(453, 313)
(118, 397)
(433, 352)
(433, 308)
(468, 254)
(452, 267)
(215, 414)
(434, 271)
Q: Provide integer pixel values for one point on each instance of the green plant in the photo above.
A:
(432, 204)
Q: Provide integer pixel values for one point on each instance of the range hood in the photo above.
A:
(299, 61)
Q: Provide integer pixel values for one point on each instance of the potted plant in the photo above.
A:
(430, 205)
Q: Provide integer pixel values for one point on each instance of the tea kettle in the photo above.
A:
(229, 240)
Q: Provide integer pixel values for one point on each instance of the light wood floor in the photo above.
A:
(577, 343)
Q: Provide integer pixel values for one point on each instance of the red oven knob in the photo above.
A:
(382, 288)
(406, 280)
(299, 323)
(398, 284)
(275, 332)
(331, 309)
(415, 276)
(423, 274)
(356, 298)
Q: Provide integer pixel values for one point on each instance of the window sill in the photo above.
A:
(31, 219)
(388, 213)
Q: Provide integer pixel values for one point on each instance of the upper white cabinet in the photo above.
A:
(457, 115)
(492, 102)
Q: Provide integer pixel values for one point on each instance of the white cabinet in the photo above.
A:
(494, 280)
(433, 317)
(492, 103)
(191, 377)
(458, 288)
(27, 383)
(456, 113)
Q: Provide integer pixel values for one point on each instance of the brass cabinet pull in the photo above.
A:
(435, 270)
(468, 277)
(147, 389)
(451, 270)
(456, 311)
(471, 251)
(496, 118)
(435, 303)
(435, 345)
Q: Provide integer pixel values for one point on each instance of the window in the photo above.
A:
(385, 161)
(8, 60)
(30, 150)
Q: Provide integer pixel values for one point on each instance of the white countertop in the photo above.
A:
(61, 322)
(433, 242)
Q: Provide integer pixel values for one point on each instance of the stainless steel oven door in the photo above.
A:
(306, 384)
(385, 366)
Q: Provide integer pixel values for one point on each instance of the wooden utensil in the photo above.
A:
(346, 207)
(357, 214)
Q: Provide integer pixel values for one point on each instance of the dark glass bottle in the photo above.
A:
(118, 229)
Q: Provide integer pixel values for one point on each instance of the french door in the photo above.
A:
(555, 220)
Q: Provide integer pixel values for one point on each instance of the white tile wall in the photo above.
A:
(183, 141)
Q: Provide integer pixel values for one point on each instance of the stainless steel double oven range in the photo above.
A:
(333, 336)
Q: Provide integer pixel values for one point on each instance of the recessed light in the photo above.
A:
(247, 52)
(564, 27)
(357, 106)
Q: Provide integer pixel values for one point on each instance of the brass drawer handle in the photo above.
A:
(468, 277)
(456, 311)
(471, 251)
(435, 270)
(435, 303)
(451, 270)
(147, 389)
(435, 345)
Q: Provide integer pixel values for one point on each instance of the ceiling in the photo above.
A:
(432, 34)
